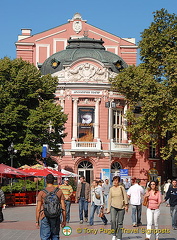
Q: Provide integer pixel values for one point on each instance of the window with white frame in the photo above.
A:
(152, 150)
(117, 125)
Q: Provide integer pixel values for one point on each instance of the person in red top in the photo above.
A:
(153, 211)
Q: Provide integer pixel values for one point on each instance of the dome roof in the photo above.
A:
(79, 49)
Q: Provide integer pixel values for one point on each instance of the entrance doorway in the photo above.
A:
(85, 168)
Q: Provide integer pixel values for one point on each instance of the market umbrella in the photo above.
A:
(8, 171)
(40, 171)
(69, 174)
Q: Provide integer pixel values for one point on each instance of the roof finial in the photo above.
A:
(85, 33)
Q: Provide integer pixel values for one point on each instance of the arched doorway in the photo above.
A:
(85, 168)
(115, 169)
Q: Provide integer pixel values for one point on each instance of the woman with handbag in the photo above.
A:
(96, 203)
(117, 204)
(153, 211)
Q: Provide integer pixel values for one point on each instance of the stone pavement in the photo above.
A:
(19, 224)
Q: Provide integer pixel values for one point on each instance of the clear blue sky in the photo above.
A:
(126, 18)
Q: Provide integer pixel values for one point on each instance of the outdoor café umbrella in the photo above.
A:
(40, 171)
(11, 172)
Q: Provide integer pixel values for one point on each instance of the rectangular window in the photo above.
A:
(152, 150)
(117, 125)
(86, 120)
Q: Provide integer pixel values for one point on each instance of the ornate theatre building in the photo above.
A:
(84, 58)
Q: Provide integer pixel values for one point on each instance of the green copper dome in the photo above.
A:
(82, 48)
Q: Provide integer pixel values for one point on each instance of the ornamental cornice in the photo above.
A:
(85, 72)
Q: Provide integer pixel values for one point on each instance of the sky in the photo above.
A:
(126, 18)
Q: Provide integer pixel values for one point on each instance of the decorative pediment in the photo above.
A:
(85, 72)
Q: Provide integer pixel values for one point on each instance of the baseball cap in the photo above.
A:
(66, 179)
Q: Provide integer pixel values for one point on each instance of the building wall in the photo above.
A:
(37, 48)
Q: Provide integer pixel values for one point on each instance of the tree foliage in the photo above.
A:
(28, 115)
(153, 86)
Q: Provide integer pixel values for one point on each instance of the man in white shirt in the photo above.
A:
(135, 194)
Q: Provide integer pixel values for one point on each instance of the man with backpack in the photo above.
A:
(50, 204)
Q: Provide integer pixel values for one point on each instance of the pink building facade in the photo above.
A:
(84, 58)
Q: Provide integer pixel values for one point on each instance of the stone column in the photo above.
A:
(75, 100)
(124, 122)
(110, 123)
(96, 130)
(62, 104)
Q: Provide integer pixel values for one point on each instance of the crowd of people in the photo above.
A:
(104, 198)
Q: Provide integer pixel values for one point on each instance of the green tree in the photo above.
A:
(29, 116)
(153, 86)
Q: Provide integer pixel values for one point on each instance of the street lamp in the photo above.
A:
(12, 151)
(110, 105)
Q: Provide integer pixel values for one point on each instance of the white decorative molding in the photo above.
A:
(37, 51)
(128, 52)
(55, 40)
(101, 35)
(24, 44)
(50, 35)
(128, 46)
(85, 72)
(112, 47)
(23, 49)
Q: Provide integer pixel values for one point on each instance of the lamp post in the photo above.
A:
(12, 151)
(110, 105)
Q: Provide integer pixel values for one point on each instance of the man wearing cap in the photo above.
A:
(67, 191)
(49, 227)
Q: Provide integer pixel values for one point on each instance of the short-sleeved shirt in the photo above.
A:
(67, 190)
(135, 192)
(42, 195)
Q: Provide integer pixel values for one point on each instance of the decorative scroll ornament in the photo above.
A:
(85, 72)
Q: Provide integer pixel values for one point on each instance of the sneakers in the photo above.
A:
(175, 228)
(81, 221)
(86, 219)
(114, 238)
(134, 225)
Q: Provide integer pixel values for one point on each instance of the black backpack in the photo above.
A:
(52, 207)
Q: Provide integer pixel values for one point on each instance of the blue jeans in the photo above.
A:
(92, 212)
(1, 215)
(173, 211)
(117, 217)
(83, 206)
(136, 214)
(106, 200)
(50, 229)
(68, 205)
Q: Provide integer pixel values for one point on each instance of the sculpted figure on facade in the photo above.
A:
(85, 72)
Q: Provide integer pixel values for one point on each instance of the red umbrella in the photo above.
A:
(11, 172)
(42, 172)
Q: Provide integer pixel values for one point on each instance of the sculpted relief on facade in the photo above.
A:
(85, 72)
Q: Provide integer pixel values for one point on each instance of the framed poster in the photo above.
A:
(86, 124)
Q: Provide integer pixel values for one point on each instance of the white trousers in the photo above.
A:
(152, 216)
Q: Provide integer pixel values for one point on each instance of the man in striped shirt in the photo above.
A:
(67, 191)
